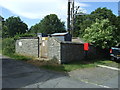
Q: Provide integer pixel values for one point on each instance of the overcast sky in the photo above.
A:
(37, 9)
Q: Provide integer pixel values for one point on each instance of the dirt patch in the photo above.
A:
(41, 63)
(36, 62)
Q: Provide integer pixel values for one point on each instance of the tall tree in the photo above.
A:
(1, 22)
(101, 34)
(13, 26)
(35, 29)
(49, 24)
(84, 21)
(104, 13)
(117, 24)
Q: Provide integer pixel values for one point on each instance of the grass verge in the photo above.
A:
(63, 67)
(73, 65)
(20, 57)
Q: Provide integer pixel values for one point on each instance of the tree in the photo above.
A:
(35, 29)
(84, 21)
(117, 24)
(101, 34)
(13, 26)
(1, 25)
(48, 25)
(104, 13)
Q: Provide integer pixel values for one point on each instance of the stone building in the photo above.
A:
(52, 48)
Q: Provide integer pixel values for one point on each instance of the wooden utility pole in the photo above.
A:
(72, 18)
(68, 19)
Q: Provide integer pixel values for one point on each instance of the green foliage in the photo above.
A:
(77, 65)
(20, 57)
(27, 35)
(84, 21)
(8, 46)
(48, 25)
(13, 26)
(104, 13)
(1, 25)
(24, 35)
(5, 31)
(68, 67)
(101, 34)
(35, 29)
(117, 32)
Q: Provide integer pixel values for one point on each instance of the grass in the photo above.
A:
(70, 67)
(73, 65)
(63, 67)
(79, 65)
(20, 57)
(108, 63)
(0, 50)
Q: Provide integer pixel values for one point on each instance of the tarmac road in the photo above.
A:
(18, 74)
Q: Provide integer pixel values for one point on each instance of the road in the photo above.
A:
(18, 74)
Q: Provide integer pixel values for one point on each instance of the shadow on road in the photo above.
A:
(17, 74)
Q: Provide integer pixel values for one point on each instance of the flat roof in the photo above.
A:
(59, 34)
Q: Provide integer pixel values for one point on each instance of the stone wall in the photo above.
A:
(27, 47)
(54, 49)
(63, 52)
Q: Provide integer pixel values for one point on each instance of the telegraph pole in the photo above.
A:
(72, 18)
(68, 19)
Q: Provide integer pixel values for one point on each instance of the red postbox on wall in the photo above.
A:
(86, 46)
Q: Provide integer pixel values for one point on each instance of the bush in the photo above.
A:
(101, 34)
(27, 35)
(8, 46)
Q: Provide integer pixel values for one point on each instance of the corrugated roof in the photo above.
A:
(59, 34)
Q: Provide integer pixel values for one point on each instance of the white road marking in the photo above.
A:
(95, 84)
(113, 68)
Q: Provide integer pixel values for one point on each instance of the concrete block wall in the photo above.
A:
(71, 52)
(75, 52)
(27, 47)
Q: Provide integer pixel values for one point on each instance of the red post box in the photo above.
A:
(86, 46)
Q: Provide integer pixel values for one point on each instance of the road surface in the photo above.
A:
(18, 74)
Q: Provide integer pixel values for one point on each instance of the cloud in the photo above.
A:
(37, 9)
(98, 0)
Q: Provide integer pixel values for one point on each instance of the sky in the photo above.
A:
(32, 11)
